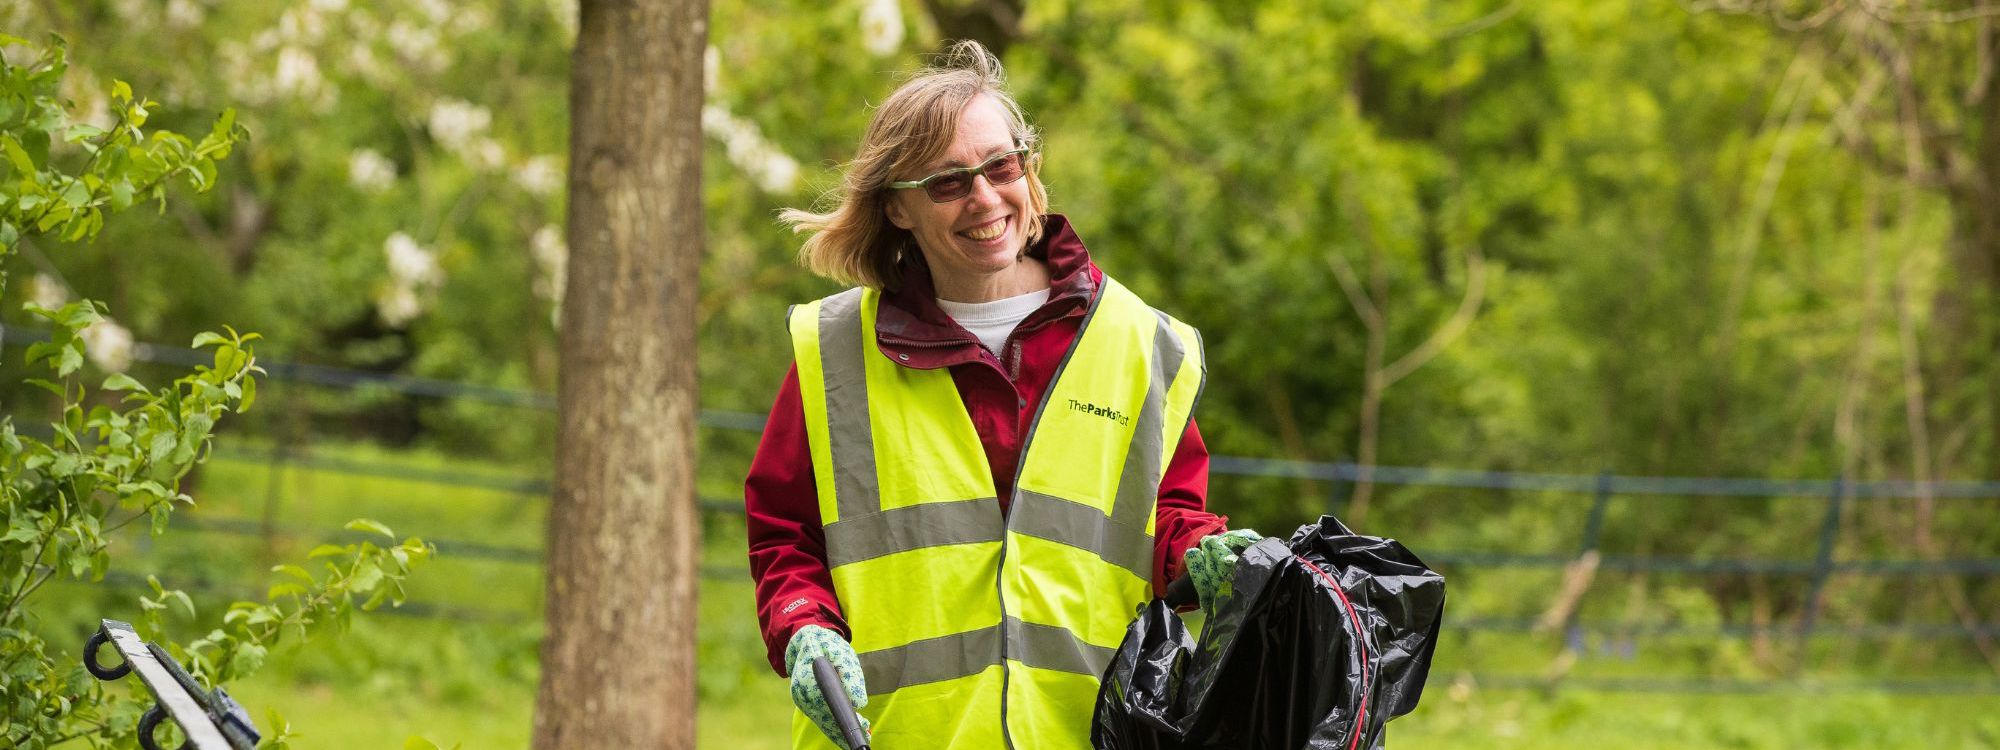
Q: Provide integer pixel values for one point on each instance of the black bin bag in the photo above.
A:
(1327, 637)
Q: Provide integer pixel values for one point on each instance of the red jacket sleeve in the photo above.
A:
(1181, 516)
(787, 544)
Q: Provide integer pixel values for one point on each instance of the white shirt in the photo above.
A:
(992, 322)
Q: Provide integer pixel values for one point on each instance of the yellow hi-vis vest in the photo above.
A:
(974, 630)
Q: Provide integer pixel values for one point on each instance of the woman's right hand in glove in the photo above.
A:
(813, 641)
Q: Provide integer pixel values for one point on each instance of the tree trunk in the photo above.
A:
(618, 661)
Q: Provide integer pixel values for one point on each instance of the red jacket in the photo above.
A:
(787, 545)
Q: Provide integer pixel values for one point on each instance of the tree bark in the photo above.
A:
(618, 661)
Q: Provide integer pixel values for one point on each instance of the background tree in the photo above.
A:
(618, 662)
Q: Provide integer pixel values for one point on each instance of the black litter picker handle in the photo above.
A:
(836, 699)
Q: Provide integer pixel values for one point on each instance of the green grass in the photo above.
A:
(471, 679)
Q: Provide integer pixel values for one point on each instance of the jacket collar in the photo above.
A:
(912, 330)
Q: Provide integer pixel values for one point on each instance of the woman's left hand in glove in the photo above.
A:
(1212, 565)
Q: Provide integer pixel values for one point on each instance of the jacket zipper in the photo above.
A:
(1007, 519)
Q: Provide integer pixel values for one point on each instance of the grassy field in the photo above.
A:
(459, 666)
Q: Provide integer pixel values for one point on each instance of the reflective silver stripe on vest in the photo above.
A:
(1053, 648)
(1047, 517)
(850, 438)
(1139, 480)
(969, 653)
(854, 538)
(937, 659)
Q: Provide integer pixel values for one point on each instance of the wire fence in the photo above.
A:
(1339, 477)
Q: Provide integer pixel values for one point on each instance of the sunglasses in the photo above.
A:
(953, 184)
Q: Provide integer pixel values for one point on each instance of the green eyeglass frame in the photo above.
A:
(968, 172)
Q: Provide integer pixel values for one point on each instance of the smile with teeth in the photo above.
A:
(986, 231)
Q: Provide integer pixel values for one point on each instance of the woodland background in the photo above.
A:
(1708, 239)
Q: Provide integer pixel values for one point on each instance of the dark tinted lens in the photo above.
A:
(950, 187)
(1006, 169)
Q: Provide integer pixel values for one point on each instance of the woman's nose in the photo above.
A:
(983, 192)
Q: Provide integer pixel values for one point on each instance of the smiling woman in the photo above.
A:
(984, 458)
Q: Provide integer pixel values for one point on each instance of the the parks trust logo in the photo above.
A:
(1123, 419)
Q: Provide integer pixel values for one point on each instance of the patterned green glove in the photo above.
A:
(814, 641)
(1212, 565)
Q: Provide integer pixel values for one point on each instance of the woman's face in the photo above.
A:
(979, 234)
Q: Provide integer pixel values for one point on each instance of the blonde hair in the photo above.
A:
(854, 243)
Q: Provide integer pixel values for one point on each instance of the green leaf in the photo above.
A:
(248, 658)
(47, 386)
(19, 158)
(207, 338)
(328, 550)
(70, 361)
(249, 395)
(284, 589)
(77, 194)
(293, 570)
(366, 578)
(419, 743)
(41, 350)
(123, 382)
(366, 525)
(374, 602)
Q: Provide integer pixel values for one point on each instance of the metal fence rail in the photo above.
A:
(1603, 489)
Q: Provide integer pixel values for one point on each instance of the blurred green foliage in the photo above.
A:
(1736, 239)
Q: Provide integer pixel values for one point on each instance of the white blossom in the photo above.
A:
(369, 170)
(438, 11)
(413, 272)
(246, 82)
(92, 101)
(108, 345)
(46, 291)
(471, 19)
(330, 6)
(298, 73)
(398, 305)
(882, 27)
(486, 153)
(774, 170)
(137, 14)
(302, 24)
(552, 259)
(565, 12)
(455, 122)
(410, 264)
(711, 69)
(540, 175)
(361, 61)
(417, 47)
(185, 14)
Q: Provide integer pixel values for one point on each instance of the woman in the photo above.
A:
(983, 459)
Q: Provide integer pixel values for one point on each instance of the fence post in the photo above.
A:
(1585, 566)
(1829, 532)
(1595, 526)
